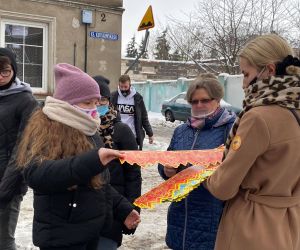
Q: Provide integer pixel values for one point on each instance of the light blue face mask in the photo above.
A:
(102, 110)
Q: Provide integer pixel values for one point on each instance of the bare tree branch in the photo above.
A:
(224, 26)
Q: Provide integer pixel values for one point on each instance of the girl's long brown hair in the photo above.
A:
(45, 139)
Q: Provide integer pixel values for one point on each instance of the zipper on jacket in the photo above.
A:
(185, 202)
(195, 138)
(185, 223)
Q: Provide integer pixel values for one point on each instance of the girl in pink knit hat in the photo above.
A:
(62, 163)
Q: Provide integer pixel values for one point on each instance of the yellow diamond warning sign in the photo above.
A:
(147, 21)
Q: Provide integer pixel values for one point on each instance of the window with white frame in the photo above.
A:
(29, 42)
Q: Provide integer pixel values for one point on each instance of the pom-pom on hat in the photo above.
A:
(73, 85)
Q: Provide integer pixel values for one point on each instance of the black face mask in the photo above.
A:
(6, 86)
(254, 80)
(125, 92)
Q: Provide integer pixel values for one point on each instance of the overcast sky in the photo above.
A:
(135, 10)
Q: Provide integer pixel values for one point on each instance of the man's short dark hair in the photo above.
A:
(124, 78)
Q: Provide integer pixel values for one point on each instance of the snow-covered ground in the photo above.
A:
(151, 232)
(158, 120)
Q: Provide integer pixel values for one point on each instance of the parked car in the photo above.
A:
(177, 108)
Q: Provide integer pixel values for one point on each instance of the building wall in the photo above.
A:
(66, 33)
(105, 3)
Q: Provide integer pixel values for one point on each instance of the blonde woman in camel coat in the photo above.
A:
(260, 175)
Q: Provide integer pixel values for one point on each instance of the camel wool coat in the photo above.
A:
(260, 179)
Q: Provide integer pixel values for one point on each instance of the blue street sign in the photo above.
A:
(104, 35)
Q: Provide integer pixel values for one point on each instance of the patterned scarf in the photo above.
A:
(106, 129)
(283, 91)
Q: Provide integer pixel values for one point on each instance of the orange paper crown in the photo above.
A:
(180, 185)
(174, 158)
(175, 188)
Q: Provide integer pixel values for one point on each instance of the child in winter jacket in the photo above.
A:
(62, 163)
(125, 178)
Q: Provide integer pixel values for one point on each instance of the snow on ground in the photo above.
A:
(158, 120)
(151, 232)
(24, 227)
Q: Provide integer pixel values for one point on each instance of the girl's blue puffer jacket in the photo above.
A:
(193, 222)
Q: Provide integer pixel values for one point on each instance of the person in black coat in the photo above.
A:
(16, 105)
(60, 156)
(132, 108)
(126, 179)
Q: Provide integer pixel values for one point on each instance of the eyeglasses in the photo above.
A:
(5, 72)
(203, 101)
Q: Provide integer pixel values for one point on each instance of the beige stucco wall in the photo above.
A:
(66, 31)
(109, 3)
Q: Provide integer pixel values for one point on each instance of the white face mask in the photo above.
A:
(201, 114)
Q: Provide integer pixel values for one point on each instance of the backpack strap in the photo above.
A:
(296, 115)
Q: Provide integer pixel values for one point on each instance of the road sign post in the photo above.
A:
(146, 24)
(147, 21)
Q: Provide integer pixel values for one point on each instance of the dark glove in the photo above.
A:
(182, 167)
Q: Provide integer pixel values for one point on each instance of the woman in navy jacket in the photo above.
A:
(193, 222)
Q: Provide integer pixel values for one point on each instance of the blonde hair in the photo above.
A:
(45, 139)
(266, 49)
(210, 83)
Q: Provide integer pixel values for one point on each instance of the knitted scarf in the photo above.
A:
(283, 91)
(106, 129)
(65, 113)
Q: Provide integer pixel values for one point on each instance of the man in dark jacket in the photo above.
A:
(125, 178)
(16, 105)
(132, 109)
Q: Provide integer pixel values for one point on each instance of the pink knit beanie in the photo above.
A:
(73, 85)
